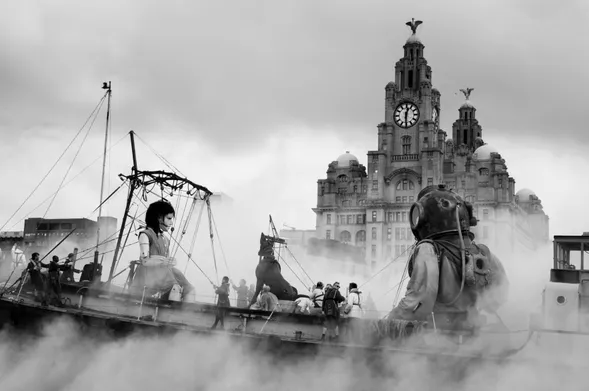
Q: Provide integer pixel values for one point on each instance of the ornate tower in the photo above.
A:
(409, 135)
(466, 132)
(409, 155)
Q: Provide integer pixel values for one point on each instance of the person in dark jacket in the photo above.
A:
(53, 285)
(331, 300)
(67, 274)
(222, 302)
(37, 279)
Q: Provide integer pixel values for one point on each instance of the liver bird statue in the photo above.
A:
(467, 92)
(413, 24)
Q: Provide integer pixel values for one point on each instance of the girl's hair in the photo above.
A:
(154, 212)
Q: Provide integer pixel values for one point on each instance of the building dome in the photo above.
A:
(345, 160)
(484, 152)
(413, 39)
(524, 195)
(467, 105)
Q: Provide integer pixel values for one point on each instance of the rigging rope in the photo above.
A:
(193, 236)
(404, 276)
(388, 264)
(131, 225)
(54, 164)
(293, 272)
(165, 161)
(301, 266)
(220, 244)
(211, 235)
(67, 183)
(72, 163)
(183, 231)
(195, 264)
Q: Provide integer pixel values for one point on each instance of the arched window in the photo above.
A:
(484, 171)
(373, 233)
(345, 237)
(405, 184)
(360, 237)
(342, 178)
(406, 141)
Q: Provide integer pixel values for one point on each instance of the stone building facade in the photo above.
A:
(368, 207)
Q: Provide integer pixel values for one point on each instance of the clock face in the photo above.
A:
(406, 115)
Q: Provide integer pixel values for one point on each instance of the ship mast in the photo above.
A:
(127, 206)
(106, 86)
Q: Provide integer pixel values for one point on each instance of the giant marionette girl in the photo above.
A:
(156, 271)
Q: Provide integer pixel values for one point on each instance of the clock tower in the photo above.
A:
(410, 150)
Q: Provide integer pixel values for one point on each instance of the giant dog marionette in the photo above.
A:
(269, 272)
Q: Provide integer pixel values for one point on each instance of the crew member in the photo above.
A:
(67, 274)
(354, 312)
(331, 302)
(242, 292)
(317, 295)
(222, 292)
(53, 285)
(37, 279)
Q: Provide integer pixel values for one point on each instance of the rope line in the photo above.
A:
(212, 240)
(220, 244)
(301, 266)
(194, 236)
(54, 164)
(73, 160)
(388, 264)
(67, 183)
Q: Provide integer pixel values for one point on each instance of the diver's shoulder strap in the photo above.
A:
(438, 250)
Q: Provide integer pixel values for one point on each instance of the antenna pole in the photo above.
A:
(109, 94)
(127, 207)
(107, 87)
(132, 135)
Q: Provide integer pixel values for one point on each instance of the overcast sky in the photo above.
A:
(255, 98)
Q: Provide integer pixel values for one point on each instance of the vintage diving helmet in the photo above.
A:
(435, 214)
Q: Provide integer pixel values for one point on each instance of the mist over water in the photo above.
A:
(64, 358)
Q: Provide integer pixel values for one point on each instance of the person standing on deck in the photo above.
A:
(67, 274)
(34, 270)
(354, 311)
(53, 285)
(251, 292)
(316, 295)
(222, 302)
(331, 302)
(157, 271)
(242, 292)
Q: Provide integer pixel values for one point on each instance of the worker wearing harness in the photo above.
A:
(452, 278)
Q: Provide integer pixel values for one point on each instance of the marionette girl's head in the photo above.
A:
(160, 216)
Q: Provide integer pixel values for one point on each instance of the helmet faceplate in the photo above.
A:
(434, 213)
